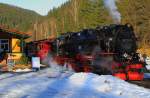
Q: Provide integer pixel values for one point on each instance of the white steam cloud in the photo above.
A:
(113, 10)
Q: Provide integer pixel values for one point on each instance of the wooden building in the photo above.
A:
(12, 42)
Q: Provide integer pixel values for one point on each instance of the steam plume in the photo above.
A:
(113, 10)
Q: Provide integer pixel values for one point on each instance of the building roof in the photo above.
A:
(14, 32)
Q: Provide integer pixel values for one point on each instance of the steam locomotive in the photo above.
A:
(103, 50)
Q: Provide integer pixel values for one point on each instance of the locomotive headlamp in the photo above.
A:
(125, 55)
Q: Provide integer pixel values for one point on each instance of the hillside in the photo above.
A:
(15, 17)
(137, 13)
(78, 14)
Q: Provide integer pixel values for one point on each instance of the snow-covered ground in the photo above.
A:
(147, 75)
(49, 83)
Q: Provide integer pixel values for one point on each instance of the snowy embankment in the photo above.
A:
(49, 83)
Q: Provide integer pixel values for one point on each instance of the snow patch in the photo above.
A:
(147, 75)
(23, 70)
(65, 84)
(78, 79)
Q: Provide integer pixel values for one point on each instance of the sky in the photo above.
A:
(40, 6)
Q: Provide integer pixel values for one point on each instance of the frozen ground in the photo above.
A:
(50, 83)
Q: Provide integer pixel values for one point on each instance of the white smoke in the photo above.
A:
(57, 69)
(113, 10)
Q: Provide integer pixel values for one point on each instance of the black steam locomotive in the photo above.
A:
(118, 40)
(101, 50)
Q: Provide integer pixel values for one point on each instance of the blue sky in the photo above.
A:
(40, 6)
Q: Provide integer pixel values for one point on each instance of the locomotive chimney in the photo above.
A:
(113, 10)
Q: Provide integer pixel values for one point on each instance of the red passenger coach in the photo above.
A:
(39, 48)
(44, 49)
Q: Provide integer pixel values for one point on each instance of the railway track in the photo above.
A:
(145, 83)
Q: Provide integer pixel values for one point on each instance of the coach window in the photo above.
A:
(4, 44)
